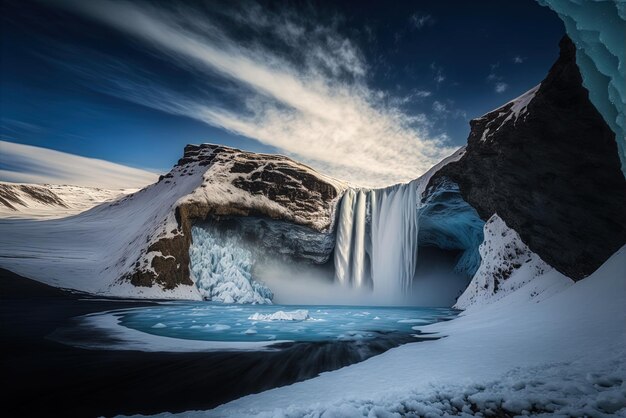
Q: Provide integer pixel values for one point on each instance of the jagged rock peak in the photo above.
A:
(547, 164)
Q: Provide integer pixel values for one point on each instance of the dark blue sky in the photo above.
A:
(103, 87)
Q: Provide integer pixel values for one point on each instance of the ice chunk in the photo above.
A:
(298, 315)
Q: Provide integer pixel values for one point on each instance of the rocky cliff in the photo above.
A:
(231, 182)
(547, 165)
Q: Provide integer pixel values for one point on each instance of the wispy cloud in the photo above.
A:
(518, 59)
(309, 97)
(501, 87)
(28, 164)
(437, 72)
(420, 20)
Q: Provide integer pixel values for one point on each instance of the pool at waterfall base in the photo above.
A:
(209, 326)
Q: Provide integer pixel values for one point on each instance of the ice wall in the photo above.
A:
(448, 222)
(598, 28)
(221, 267)
(377, 238)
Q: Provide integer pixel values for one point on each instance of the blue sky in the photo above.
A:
(374, 92)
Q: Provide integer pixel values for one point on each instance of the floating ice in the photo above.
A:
(299, 315)
(218, 322)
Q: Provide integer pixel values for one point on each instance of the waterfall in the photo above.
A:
(377, 233)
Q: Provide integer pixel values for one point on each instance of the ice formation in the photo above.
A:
(448, 222)
(222, 268)
(297, 315)
(377, 239)
(598, 28)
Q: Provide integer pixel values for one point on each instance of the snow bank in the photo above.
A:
(564, 354)
(507, 264)
(297, 315)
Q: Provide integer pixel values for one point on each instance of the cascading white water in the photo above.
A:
(377, 237)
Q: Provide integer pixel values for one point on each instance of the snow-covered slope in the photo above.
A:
(139, 245)
(48, 201)
(564, 354)
(506, 265)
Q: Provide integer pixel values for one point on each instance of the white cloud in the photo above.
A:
(419, 20)
(438, 74)
(317, 108)
(29, 164)
(501, 87)
(439, 107)
(518, 60)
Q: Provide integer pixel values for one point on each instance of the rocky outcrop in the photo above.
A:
(547, 164)
(14, 195)
(226, 182)
(48, 201)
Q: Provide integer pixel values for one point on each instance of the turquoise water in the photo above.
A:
(225, 322)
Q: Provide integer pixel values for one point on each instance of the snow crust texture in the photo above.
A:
(506, 265)
(598, 28)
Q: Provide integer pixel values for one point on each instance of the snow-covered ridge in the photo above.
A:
(47, 201)
(508, 113)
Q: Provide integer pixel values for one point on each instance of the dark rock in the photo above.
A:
(552, 174)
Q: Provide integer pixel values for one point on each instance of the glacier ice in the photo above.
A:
(222, 268)
(598, 28)
(447, 221)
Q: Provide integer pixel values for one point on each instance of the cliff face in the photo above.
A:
(547, 165)
(230, 182)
